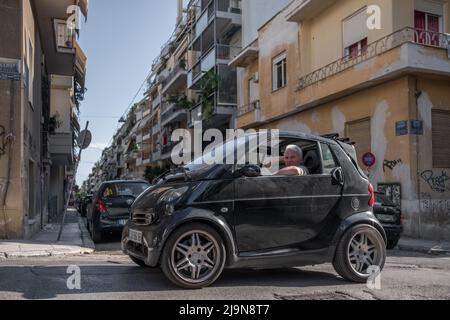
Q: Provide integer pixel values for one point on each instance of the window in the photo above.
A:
(355, 34)
(356, 49)
(279, 71)
(359, 132)
(428, 26)
(64, 38)
(441, 132)
(329, 164)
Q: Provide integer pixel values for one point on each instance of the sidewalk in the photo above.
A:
(75, 240)
(425, 246)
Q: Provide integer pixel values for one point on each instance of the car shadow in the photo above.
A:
(50, 282)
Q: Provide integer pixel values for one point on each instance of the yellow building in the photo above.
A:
(375, 71)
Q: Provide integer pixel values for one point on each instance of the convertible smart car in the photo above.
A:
(201, 218)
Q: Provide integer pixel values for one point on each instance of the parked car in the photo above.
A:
(109, 210)
(201, 218)
(390, 216)
(83, 204)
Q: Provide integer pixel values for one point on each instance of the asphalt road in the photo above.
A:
(110, 275)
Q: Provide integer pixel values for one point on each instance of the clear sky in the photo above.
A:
(121, 39)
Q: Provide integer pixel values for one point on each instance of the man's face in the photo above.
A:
(292, 159)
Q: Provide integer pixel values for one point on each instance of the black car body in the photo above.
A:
(109, 208)
(390, 216)
(257, 221)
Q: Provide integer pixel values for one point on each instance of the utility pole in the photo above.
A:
(72, 183)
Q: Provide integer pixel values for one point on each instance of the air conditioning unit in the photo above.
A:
(256, 77)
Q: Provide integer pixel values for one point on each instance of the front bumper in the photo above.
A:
(149, 251)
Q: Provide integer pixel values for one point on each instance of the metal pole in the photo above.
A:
(72, 183)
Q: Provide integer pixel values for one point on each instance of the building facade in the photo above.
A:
(42, 72)
(384, 87)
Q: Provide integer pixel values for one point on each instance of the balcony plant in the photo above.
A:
(54, 123)
(182, 64)
(208, 86)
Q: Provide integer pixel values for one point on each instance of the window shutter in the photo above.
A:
(355, 28)
(441, 132)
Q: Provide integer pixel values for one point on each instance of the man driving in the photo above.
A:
(293, 160)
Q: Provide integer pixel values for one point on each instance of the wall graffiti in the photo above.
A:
(391, 164)
(437, 183)
(436, 209)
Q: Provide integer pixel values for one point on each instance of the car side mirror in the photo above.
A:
(337, 177)
(250, 171)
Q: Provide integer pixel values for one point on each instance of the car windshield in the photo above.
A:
(125, 190)
(218, 155)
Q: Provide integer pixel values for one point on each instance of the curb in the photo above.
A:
(426, 250)
(86, 237)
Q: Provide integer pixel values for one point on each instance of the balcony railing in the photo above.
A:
(394, 40)
(255, 105)
(173, 74)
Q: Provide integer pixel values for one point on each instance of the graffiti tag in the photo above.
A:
(391, 164)
(435, 209)
(2, 141)
(437, 183)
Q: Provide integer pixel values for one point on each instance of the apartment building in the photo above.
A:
(317, 67)
(214, 39)
(42, 74)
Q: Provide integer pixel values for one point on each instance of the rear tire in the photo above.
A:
(361, 247)
(194, 256)
(96, 233)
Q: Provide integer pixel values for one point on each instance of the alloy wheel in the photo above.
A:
(363, 252)
(195, 256)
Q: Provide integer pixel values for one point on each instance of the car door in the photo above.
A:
(274, 212)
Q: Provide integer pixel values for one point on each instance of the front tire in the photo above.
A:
(194, 256)
(360, 249)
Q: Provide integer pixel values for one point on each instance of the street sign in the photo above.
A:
(84, 139)
(369, 159)
(10, 69)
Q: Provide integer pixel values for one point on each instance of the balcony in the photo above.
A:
(156, 129)
(175, 81)
(156, 156)
(218, 54)
(155, 104)
(212, 114)
(166, 151)
(249, 115)
(404, 51)
(173, 113)
(307, 9)
(227, 14)
(61, 148)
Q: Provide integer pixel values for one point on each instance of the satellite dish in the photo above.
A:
(84, 139)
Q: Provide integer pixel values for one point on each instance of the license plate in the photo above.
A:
(385, 218)
(135, 236)
(122, 222)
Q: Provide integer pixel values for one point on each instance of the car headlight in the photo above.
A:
(171, 196)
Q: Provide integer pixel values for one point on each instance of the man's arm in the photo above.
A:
(291, 172)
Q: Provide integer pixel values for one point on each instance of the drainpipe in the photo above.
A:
(417, 94)
(10, 142)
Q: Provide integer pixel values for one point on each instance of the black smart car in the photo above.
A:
(203, 217)
(390, 216)
(109, 209)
